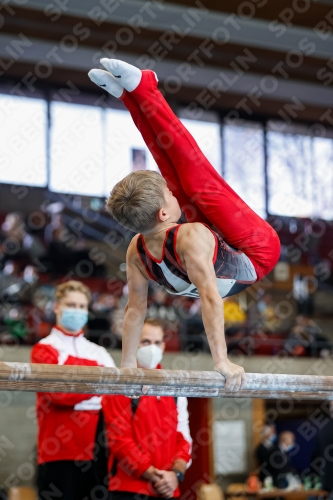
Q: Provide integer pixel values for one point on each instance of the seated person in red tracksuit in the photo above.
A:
(67, 422)
(191, 259)
(148, 438)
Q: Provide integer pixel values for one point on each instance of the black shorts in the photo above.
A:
(70, 480)
(129, 495)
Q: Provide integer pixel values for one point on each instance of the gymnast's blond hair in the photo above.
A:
(135, 201)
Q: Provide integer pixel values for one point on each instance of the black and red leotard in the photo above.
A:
(233, 269)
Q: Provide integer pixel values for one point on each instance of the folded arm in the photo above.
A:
(46, 354)
(130, 455)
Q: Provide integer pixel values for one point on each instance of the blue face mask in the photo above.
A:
(273, 438)
(74, 319)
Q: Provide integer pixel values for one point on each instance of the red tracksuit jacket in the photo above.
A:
(67, 422)
(157, 434)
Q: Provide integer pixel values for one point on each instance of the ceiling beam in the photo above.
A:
(172, 75)
(197, 21)
(151, 43)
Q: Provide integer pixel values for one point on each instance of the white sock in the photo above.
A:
(129, 76)
(106, 81)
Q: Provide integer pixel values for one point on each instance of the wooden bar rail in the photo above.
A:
(129, 381)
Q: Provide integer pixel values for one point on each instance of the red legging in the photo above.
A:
(202, 193)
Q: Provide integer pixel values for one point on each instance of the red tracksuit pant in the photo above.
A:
(202, 193)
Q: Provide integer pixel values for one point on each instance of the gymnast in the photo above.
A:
(222, 249)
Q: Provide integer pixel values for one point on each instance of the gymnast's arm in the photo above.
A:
(196, 247)
(136, 308)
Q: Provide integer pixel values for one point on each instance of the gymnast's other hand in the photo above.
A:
(234, 374)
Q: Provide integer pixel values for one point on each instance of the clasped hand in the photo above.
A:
(165, 482)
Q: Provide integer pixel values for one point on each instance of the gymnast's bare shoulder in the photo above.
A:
(195, 241)
(133, 260)
(132, 255)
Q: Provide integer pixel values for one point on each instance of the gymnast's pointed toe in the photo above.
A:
(129, 76)
(106, 81)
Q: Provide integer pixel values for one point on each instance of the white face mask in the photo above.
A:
(149, 356)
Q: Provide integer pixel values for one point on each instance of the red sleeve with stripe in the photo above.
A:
(183, 448)
(183, 437)
(46, 354)
(118, 419)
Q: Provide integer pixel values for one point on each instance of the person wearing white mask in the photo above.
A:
(151, 346)
(67, 422)
(148, 438)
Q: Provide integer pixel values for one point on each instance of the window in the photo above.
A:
(126, 151)
(207, 135)
(290, 173)
(91, 149)
(244, 167)
(23, 141)
(77, 154)
(323, 178)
